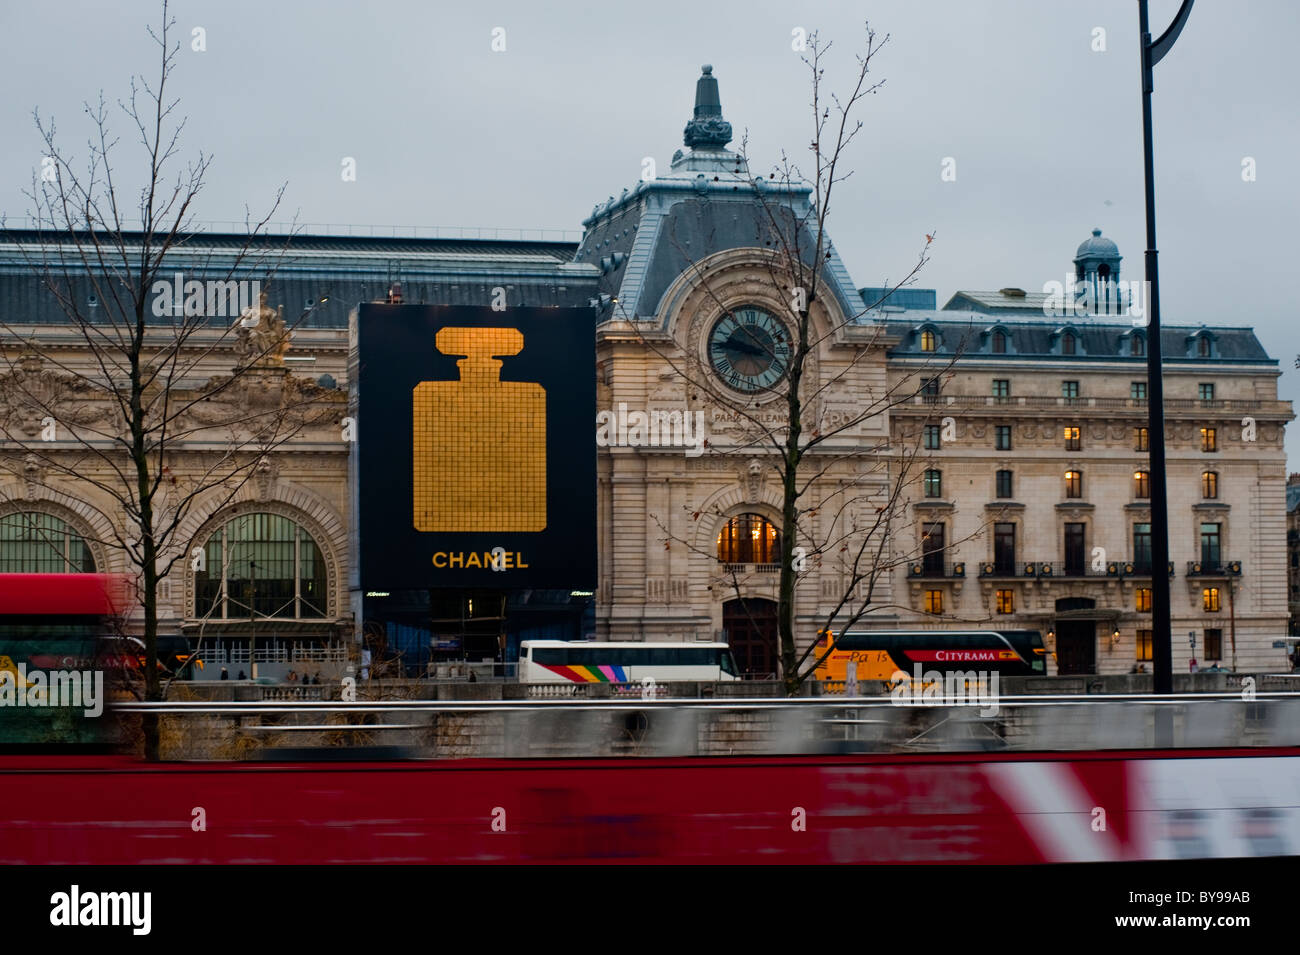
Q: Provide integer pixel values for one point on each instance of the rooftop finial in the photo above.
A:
(707, 130)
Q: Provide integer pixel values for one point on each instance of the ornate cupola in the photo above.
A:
(1096, 269)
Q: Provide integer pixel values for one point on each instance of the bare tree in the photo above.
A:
(146, 409)
(846, 482)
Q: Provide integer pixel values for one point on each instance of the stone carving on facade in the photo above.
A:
(32, 394)
(33, 475)
(265, 473)
(752, 481)
(670, 389)
(262, 339)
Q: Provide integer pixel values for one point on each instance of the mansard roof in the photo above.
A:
(970, 332)
(706, 202)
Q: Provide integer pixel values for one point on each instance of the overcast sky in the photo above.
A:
(1046, 132)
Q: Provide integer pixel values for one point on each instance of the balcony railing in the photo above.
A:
(751, 568)
(937, 570)
(1224, 568)
(1135, 404)
(1048, 569)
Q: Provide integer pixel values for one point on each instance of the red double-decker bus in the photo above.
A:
(51, 625)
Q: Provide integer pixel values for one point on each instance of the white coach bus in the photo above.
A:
(588, 661)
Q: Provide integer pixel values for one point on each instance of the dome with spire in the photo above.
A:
(704, 203)
(1097, 247)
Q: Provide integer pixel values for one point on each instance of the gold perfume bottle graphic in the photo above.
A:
(480, 442)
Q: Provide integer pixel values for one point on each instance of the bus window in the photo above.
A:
(727, 664)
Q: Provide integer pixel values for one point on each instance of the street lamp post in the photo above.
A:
(1161, 639)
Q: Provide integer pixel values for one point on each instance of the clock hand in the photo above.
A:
(732, 344)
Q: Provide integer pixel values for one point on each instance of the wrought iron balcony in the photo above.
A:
(1049, 569)
(1133, 568)
(936, 569)
(1224, 568)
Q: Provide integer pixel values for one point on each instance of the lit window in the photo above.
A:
(934, 601)
(1073, 441)
(1006, 601)
(1209, 439)
(1137, 390)
(1074, 484)
(1143, 600)
(933, 483)
(749, 539)
(1209, 484)
(1141, 439)
(261, 565)
(927, 341)
(1144, 645)
(1210, 599)
(1141, 483)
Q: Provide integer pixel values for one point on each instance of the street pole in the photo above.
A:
(252, 622)
(1161, 638)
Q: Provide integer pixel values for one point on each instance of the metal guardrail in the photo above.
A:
(577, 728)
(437, 706)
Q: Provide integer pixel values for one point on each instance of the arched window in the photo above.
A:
(927, 340)
(1137, 346)
(1203, 346)
(260, 565)
(32, 542)
(749, 539)
(1067, 343)
(999, 342)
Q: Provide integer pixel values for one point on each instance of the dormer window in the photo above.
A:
(999, 342)
(1137, 346)
(1068, 343)
(927, 340)
(1203, 346)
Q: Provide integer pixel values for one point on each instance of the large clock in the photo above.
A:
(749, 349)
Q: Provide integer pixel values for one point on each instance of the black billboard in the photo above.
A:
(476, 456)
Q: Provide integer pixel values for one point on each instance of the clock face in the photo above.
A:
(749, 349)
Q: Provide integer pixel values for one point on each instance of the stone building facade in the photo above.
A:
(1015, 439)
